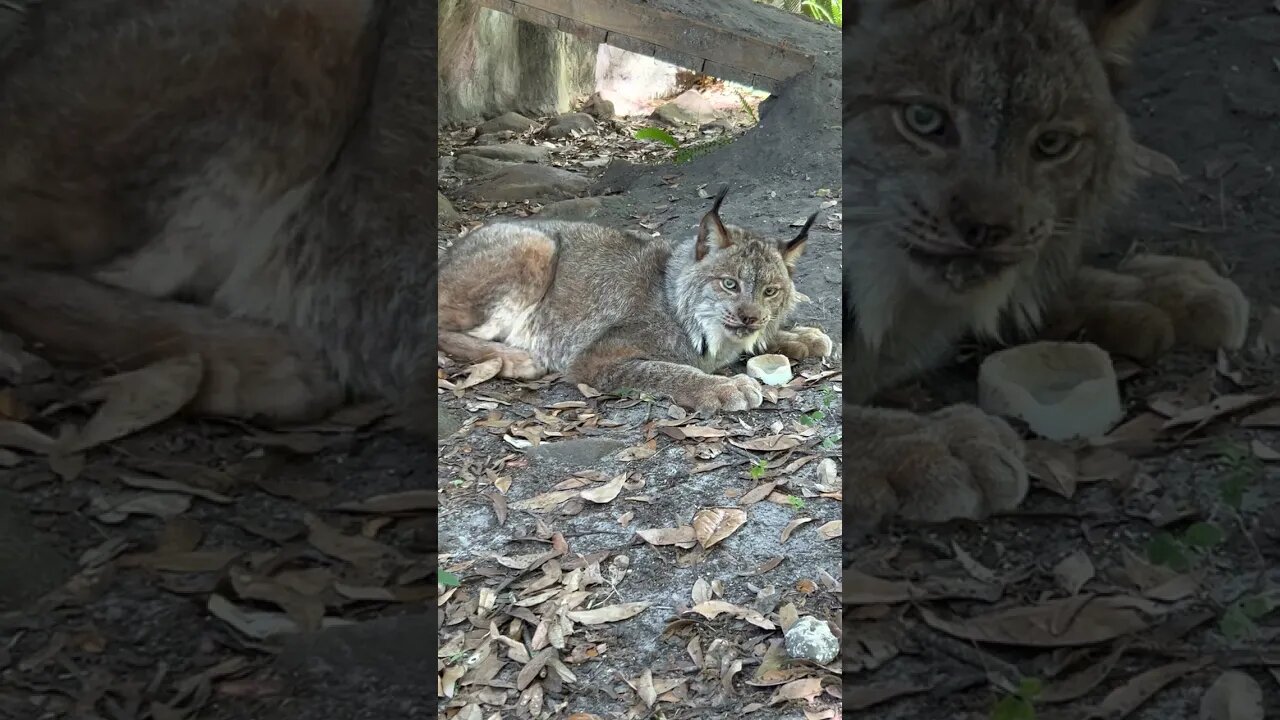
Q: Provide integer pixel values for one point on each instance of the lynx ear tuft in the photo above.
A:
(791, 249)
(712, 228)
(1117, 26)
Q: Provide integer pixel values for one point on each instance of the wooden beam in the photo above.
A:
(690, 42)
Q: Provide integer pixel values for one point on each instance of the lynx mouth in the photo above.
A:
(741, 331)
(962, 271)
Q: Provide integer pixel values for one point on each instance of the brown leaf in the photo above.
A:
(757, 493)
(409, 502)
(669, 536)
(605, 493)
(797, 690)
(138, 399)
(712, 609)
(769, 443)
(638, 452)
(1073, 571)
(304, 491)
(1074, 687)
(644, 688)
(483, 371)
(1218, 408)
(355, 549)
(547, 500)
(115, 509)
(711, 525)
(1054, 466)
(831, 530)
(1264, 452)
(1122, 701)
(861, 697)
(608, 613)
(531, 669)
(862, 589)
(791, 527)
(1054, 624)
(172, 486)
(21, 436)
(1266, 419)
(1233, 696)
(693, 432)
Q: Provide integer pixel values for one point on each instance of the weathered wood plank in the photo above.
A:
(686, 41)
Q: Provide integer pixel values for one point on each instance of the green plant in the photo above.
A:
(796, 502)
(1239, 622)
(1240, 468)
(830, 442)
(657, 135)
(1182, 553)
(747, 106)
(448, 579)
(828, 11)
(1021, 704)
(758, 468)
(812, 418)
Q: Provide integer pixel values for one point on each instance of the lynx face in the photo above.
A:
(739, 284)
(985, 140)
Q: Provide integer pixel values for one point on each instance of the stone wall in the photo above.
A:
(491, 63)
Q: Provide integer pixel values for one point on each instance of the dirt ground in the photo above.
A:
(1206, 92)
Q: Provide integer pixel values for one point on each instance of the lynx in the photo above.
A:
(983, 148)
(616, 309)
(247, 180)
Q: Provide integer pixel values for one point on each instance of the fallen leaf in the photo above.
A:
(259, 625)
(1264, 452)
(711, 525)
(532, 668)
(115, 509)
(791, 527)
(862, 589)
(1122, 701)
(408, 502)
(172, 486)
(638, 452)
(193, 561)
(546, 500)
(483, 371)
(1073, 571)
(608, 613)
(1218, 408)
(138, 399)
(861, 697)
(605, 493)
(1233, 696)
(1097, 620)
(21, 436)
(797, 690)
(693, 432)
(355, 549)
(976, 570)
(769, 443)
(831, 530)
(757, 493)
(669, 536)
(1266, 419)
(645, 689)
(1074, 687)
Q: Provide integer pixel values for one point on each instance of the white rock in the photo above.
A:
(1233, 696)
(770, 369)
(1061, 390)
(810, 639)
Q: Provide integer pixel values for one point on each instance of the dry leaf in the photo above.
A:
(1074, 571)
(638, 452)
(862, 589)
(1233, 696)
(1122, 701)
(769, 443)
(138, 399)
(862, 697)
(21, 436)
(546, 500)
(172, 486)
(669, 536)
(355, 549)
(480, 372)
(115, 509)
(797, 690)
(757, 493)
(831, 530)
(791, 527)
(693, 432)
(608, 613)
(644, 688)
(257, 624)
(1266, 419)
(605, 493)
(407, 502)
(1264, 452)
(711, 525)
(976, 570)
(1055, 624)
(1218, 408)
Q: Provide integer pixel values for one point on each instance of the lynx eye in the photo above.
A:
(729, 284)
(770, 291)
(924, 120)
(1055, 144)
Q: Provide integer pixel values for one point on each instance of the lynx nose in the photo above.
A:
(978, 234)
(749, 316)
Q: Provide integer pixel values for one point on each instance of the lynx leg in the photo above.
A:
(251, 370)
(516, 363)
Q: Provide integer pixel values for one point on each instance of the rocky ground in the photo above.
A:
(613, 557)
(1145, 567)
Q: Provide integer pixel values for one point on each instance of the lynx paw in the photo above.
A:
(265, 379)
(958, 463)
(1206, 309)
(800, 343)
(520, 365)
(728, 394)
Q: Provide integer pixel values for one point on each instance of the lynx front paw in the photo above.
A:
(520, 365)
(958, 463)
(727, 394)
(800, 343)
